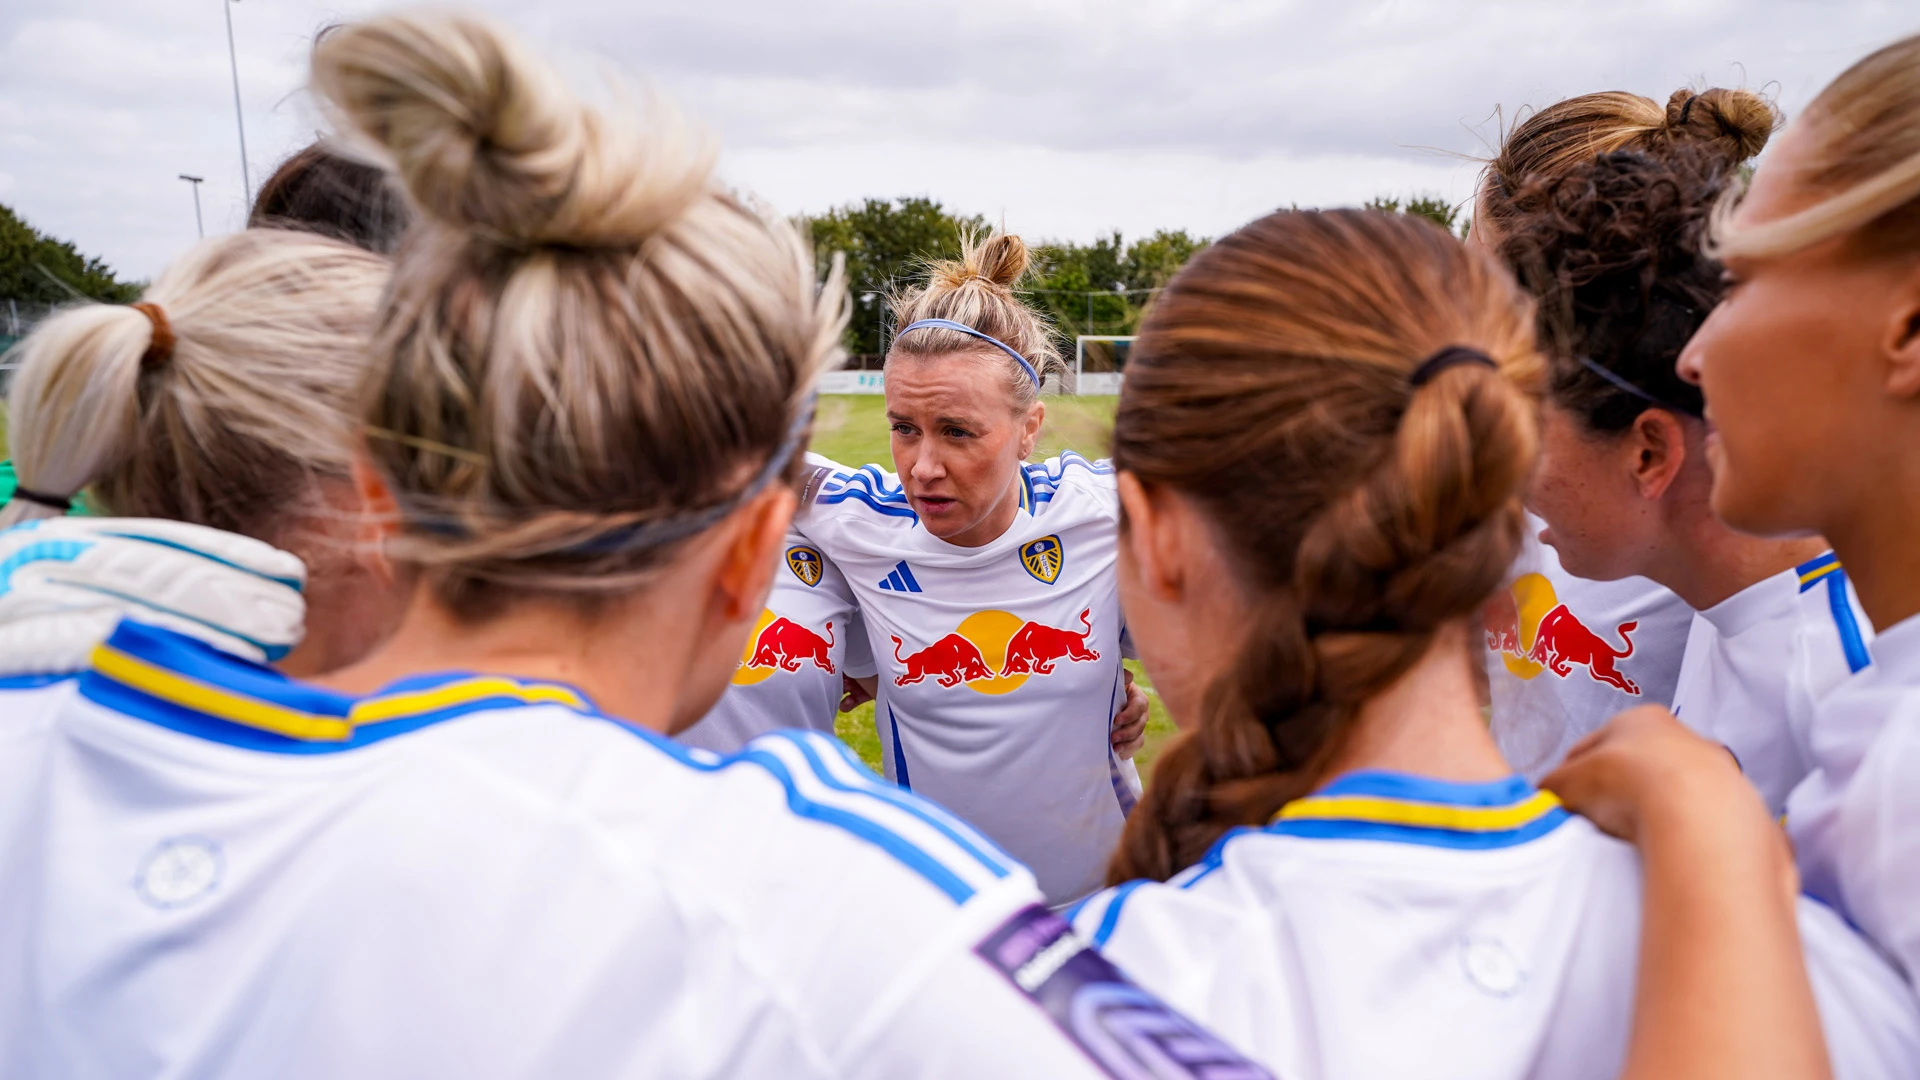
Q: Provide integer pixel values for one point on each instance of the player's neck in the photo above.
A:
(1875, 543)
(1706, 562)
(1427, 722)
(623, 664)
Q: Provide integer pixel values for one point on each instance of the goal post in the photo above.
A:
(1100, 362)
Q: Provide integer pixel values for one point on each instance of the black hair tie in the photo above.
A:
(52, 502)
(1451, 356)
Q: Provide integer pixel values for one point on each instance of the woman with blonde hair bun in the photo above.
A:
(1810, 366)
(210, 422)
(986, 582)
(476, 851)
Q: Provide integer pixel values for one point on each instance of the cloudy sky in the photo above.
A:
(1065, 118)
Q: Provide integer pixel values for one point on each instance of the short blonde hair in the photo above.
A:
(591, 349)
(1865, 158)
(977, 290)
(231, 426)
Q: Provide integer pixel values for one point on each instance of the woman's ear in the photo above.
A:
(747, 567)
(1658, 443)
(1154, 536)
(1903, 339)
(379, 520)
(1030, 428)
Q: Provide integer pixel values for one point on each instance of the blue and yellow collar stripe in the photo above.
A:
(1418, 810)
(183, 684)
(1813, 570)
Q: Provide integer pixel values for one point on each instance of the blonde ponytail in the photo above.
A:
(591, 349)
(261, 341)
(74, 412)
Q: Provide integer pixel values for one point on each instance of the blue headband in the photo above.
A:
(660, 532)
(949, 324)
(1621, 383)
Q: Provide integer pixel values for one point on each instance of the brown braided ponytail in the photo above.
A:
(1360, 513)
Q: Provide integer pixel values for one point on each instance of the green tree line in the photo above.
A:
(37, 269)
(1097, 288)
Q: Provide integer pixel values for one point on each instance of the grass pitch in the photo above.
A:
(852, 429)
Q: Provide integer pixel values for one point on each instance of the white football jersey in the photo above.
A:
(789, 675)
(214, 871)
(1565, 655)
(1756, 660)
(999, 665)
(1855, 819)
(1393, 925)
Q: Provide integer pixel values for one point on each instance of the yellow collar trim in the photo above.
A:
(1419, 814)
(213, 701)
(1818, 572)
(168, 685)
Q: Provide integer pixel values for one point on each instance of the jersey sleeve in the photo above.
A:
(1866, 1011)
(834, 494)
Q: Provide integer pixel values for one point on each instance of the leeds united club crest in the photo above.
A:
(805, 564)
(1043, 558)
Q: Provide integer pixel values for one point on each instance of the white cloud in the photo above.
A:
(1068, 116)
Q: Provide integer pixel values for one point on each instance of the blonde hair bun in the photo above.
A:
(487, 138)
(1000, 260)
(1739, 122)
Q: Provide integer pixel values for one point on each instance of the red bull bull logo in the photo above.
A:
(780, 644)
(995, 652)
(1534, 632)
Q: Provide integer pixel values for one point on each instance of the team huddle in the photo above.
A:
(423, 623)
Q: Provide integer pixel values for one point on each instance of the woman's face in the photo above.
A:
(958, 442)
(1790, 363)
(1584, 489)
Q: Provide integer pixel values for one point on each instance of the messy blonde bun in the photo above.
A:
(977, 290)
(1731, 125)
(591, 351)
(1735, 123)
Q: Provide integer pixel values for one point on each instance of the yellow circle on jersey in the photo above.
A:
(747, 676)
(1533, 597)
(991, 632)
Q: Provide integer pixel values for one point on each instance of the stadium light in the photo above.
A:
(233, 58)
(198, 225)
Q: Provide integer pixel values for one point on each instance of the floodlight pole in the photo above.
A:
(199, 225)
(239, 121)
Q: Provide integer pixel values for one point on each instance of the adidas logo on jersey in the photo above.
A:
(900, 579)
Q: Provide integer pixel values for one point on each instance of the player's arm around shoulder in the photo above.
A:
(928, 953)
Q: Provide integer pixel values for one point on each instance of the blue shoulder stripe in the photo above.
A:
(1110, 918)
(871, 786)
(1852, 642)
(1044, 480)
(969, 854)
(866, 485)
(892, 843)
